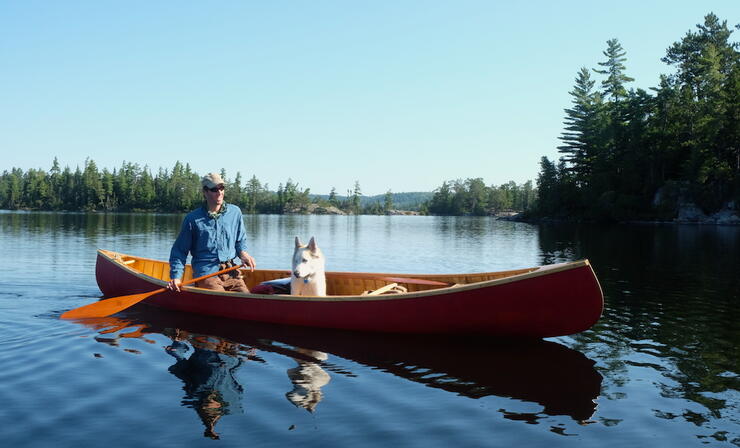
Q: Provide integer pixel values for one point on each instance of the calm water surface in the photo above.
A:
(660, 368)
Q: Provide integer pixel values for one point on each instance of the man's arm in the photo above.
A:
(241, 249)
(179, 255)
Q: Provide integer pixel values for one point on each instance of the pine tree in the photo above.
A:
(236, 193)
(55, 186)
(707, 70)
(476, 197)
(581, 133)
(547, 187)
(614, 69)
(687, 53)
(441, 202)
(253, 193)
(388, 202)
(355, 198)
(333, 197)
(92, 187)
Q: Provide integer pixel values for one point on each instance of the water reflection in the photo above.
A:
(671, 296)
(561, 380)
(667, 345)
(89, 225)
(308, 378)
(206, 364)
(208, 374)
(463, 226)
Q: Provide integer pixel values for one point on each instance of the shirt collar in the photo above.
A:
(217, 214)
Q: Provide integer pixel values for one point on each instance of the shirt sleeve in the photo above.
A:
(241, 233)
(180, 249)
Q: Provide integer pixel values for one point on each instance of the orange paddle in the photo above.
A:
(113, 305)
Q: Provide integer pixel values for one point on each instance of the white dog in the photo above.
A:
(308, 276)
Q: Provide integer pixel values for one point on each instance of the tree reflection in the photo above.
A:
(670, 311)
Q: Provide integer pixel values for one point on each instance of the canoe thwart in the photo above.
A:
(414, 281)
(390, 288)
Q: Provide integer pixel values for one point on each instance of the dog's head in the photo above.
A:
(307, 259)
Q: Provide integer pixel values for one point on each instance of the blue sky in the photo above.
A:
(398, 95)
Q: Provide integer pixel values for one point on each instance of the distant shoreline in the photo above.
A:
(509, 216)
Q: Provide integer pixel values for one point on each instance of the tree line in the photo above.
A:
(128, 188)
(632, 153)
(134, 188)
(472, 197)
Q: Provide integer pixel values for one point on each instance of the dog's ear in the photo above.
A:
(312, 245)
(298, 242)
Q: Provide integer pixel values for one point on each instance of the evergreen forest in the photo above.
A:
(636, 154)
(133, 188)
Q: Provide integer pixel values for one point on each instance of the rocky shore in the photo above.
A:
(316, 209)
(686, 213)
(690, 213)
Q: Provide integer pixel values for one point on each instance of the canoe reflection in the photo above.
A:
(563, 381)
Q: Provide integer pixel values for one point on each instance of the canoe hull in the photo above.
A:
(565, 301)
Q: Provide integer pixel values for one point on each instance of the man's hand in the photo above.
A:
(248, 260)
(174, 284)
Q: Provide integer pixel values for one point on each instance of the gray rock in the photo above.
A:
(689, 212)
(726, 217)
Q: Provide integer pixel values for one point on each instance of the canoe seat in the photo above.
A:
(390, 288)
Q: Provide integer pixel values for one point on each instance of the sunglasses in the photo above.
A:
(214, 189)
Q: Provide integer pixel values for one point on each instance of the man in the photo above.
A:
(214, 235)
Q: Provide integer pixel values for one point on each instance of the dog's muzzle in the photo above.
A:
(305, 279)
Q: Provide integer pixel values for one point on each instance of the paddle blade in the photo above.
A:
(107, 307)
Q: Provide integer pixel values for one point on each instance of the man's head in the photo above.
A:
(213, 191)
(211, 180)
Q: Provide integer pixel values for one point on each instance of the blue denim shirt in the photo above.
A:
(209, 240)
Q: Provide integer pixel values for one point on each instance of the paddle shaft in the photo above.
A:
(113, 305)
(203, 277)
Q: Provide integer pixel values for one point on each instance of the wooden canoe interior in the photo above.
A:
(337, 283)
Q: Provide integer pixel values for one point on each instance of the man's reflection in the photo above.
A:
(308, 378)
(209, 374)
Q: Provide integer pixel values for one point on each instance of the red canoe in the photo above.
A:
(546, 301)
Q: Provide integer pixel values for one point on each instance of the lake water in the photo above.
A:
(661, 368)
